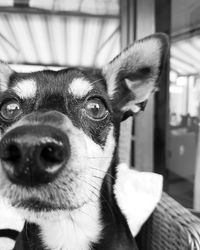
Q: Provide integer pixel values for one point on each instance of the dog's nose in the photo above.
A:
(33, 155)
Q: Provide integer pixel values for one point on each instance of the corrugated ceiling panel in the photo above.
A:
(109, 30)
(185, 56)
(109, 51)
(181, 67)
(43, 4)
(58, 40)
(189, 49)
(39, 30)
(87, 6)
(74, 28)
(57, 26)
(3, 54)
(90, 41)
(7, 40)
(195, 41)
(22, 35)
(98, 7)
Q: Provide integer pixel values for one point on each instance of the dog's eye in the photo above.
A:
(10, 110)
(96, 109)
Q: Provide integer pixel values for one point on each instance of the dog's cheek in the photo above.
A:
(86, 169)
(95, 165)
(81, 179)
(3, 182)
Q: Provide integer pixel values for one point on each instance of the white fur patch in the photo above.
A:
(26, 88)
(137, 194)
(6, 243)
(131, 106)
(74, 230)
(80, 87)
(8, 219)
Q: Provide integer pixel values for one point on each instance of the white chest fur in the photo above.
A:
(73, 231)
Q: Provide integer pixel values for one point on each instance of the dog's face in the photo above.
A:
(59, 129)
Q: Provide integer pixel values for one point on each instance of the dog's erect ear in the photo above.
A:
(5, 73)
(133, 75)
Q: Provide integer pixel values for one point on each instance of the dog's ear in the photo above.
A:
(5, 73)
(133, 75)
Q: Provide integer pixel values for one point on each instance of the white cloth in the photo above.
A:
(137, 194)
(8, 219)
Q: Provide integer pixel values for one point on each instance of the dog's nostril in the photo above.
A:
(12, 153)
(52, 154)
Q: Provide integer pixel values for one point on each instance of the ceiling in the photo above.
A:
(86, 6)
(185, 37)
(75, 33)
(82, 34)
(185, 56)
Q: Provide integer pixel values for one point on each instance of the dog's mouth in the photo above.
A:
(34, 204)
(37, 205)
(66, 193)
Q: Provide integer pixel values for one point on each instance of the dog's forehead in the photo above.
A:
(75, 82)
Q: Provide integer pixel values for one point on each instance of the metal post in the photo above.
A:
(161, 128)
(144, 123)
(127, 18)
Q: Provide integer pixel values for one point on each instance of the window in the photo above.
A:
(184, 104)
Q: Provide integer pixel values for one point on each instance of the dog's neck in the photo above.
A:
(95, 226)
(75, 230)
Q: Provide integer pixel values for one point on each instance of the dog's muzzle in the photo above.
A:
(34, 154)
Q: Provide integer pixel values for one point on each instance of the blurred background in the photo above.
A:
(37, 34)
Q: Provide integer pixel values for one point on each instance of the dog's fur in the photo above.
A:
(76, 208)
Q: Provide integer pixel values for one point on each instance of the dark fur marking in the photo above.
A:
(53, 96)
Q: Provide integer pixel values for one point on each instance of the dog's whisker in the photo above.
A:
(73, 223)
(106, 173)
(103, 179)
(87, 214)
(95, 191)
(95, 188)
(26, 232)
(95, 157)
(103, 197)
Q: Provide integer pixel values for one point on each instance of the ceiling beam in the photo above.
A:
(21, 3)
(27, 10)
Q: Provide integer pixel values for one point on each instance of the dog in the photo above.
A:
(59, 147)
